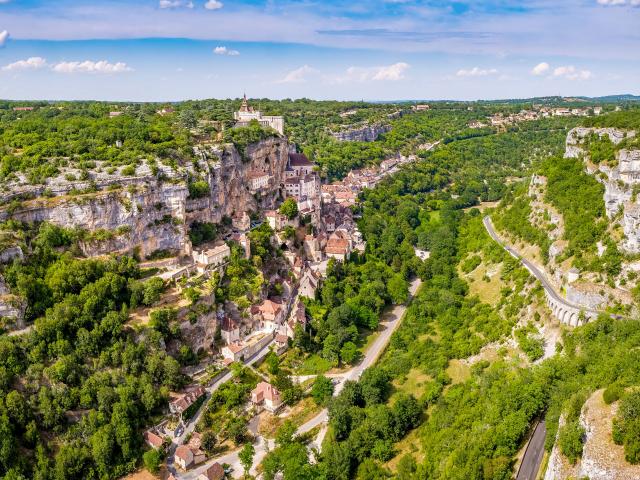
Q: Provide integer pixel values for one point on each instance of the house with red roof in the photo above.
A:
(266, 396)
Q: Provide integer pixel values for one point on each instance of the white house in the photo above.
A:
(258, 180)
(212, 257)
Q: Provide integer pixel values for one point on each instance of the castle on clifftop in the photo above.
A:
(247, 113)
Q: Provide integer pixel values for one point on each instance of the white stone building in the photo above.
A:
(246, 114)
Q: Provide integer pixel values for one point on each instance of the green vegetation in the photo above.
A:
(571, 440)
(224, 416)
(88, 386)
(626, 426)
(578, 196)
(200, 233)
(289, 208)
(530, 344)
(78, 134)
(242, 137)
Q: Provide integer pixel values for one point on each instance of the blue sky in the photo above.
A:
(158, 50)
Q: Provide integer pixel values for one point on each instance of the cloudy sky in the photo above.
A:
(344, 49)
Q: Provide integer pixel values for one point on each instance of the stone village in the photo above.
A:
(326, 226)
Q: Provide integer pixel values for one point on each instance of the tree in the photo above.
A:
(246, 457)
(570, 439)
(349, 353)
(371, 470)
(331, 349)
(289, 208)
(398, 289)
(152, 460)
(273, 362)
(322, 390)
(153, 288)
(407, 413)
(375, 385)
(209, 441)
(285, 433)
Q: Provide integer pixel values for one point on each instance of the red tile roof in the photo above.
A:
(214, 472)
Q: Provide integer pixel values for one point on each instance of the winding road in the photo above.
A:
(391, 321)
(535, 271)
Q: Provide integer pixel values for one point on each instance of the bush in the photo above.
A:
(129, 171)
(200, 233)
(571, 440)
(198, 189)
(152, 460)
(612, 394)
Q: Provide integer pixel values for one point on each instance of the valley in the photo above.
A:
(330, 290)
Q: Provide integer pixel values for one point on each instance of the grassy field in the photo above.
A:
(414, 383)
(487, 291)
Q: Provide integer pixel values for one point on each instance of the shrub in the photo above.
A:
(611, 394)
(571, 440)
(129, 171)
(198, 189)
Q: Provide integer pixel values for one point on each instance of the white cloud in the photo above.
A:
(571, 73)
(392, 72)
(32, 63)
(175, 4)
(4, 35)
(213, 5)
(298, 75)
(476, 72)
(540, 69)
(89, 66)
(225, 51)
(617, 3)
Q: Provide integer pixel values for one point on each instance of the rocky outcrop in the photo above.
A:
(592, 300)
(150, 210)
(601, 458)
(619, 180)
(229, 191)
(577, 135)
(366, 133)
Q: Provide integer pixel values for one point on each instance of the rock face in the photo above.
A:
(601, 458)
(619, 180)
(230, 193)
(367, 133)
(583, 298)
(149, 212)
(578, 134)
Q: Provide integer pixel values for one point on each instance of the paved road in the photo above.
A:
(391, 321)
(535, 271)
(191, 425)
(533, 454)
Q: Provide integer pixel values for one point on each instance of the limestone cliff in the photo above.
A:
(366, 133)
(150, 210)
(619, 177)
(227, 175)
(601, 458)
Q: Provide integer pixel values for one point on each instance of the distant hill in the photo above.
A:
(622, 98)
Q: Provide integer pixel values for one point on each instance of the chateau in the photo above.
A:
(247, 113)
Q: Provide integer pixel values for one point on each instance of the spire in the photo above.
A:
(245, 104)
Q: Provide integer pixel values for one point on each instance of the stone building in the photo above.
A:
(247, 113)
